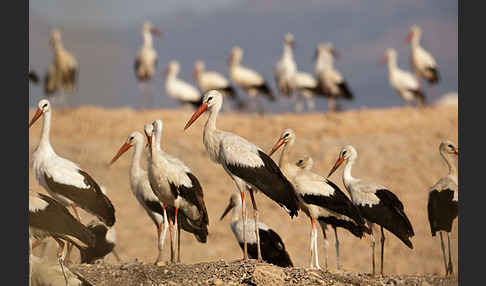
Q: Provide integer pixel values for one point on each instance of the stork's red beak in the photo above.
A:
(456, 152)
(384, 59)
(122, 150)
(200, 110)
(277, 145)
(338, 163)
(156, 32)
(408, 39)
(38, 114)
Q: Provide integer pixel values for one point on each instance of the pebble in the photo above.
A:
(217, 282)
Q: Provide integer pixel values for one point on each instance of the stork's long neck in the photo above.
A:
(210, 125)
(288, 52)
(135, 168)
(46, 129)
(450, 164)
(284, 156)
(147, 40)
(415, 40)
(347, 177)
(392, 64)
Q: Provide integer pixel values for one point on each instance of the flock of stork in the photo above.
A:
(326, 81)
(173, 197)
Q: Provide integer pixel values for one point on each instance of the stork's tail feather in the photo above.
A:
(434, 76)
(266, 91)
(357, 230)
(345, 92)
(230, 91)
(420, 96)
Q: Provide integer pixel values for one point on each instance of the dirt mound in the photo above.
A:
(238, 273)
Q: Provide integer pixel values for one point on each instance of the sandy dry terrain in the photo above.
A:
(397, 147)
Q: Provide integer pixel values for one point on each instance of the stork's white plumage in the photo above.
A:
(246, 163)
(65, 64)
(141, 189)
(179, 89)
(63, 179)
(286, 67)
(331, 82)
(307, 87)
(404, 83)
(376, 203)
(443, 201)
(320, 199)
(271, 245)
(146, 58)
(422, 61)
(175, 185)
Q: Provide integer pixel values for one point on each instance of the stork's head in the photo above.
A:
(326, 48)
(198, 68)
(212, 100)
(287, 137)
(447, 147)
(414, 33)
(158, 125)
(44, 106)
(289, 40)
(148, 129)
(55, 36)
(305, 163)
(133, 139)
(235, 56)
(390, 55)
(172, 68)
(148, 28)
(347, 152)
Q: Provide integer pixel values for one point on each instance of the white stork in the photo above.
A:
(320, 199)
(176, 186)
(404, 83)
(207, 80)
(271, 245)
(47, 217)
(247, 79)
(64, 180)
(421, 60)
(247, 164)
(442, 205)
(286, 67)
(65, 64)
(146, 58)
(179, 89)
(307, 87)
(376, 203)
(331, 82)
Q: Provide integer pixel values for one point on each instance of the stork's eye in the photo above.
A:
(45, 105)
(209, 98)
(300, 161)
(131, 138)
(286, 135)
(344, 153)
(450, 146)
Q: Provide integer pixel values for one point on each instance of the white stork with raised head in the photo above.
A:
(320, 199)
(286, 67)
(207, 80)
(423, 63)
(443, 201)
(65, 64)
(146, 58)
(246, 163)
(63, 179)
(271, 245)
(331, 82)
(49, 218)
(403, 82)
(247, 79)
(376, 203)
(176, 186)
(178, 89)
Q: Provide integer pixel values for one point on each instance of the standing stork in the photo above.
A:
(249, 80)
(320, 199)
(422, 62)
(146, 59)
(248, 166)
(442, 205)
(377, 204)
(176, 186)
(271, 245)
(404, 83)
(286, 67)
(179, 89)
(66, 67)
(331, 82)
(307, 87)
(207, 80)
(63, 179)
(47, 217)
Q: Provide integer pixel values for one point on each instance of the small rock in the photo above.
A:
(217, 282)
(425, 283)
(268, 275)
(161, 263)
(172, 283)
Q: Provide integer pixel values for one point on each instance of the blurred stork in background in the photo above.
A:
(330, 81)
(146, 58)
(286, 67)
(404, 83)
(178, 89)
(422, 62)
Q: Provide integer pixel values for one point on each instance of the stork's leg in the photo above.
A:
(60, 257)
(382, 249)
(171, 231)
(316, 249)
(311, 244)
(443, 253)
(332, 104)
(310, 103)
(256, 214)
(70, 245)
(178, 237)
(161, 234)
(449, 267)
(159, 244)
(337, 249)
(372, 237)
(243, 214)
